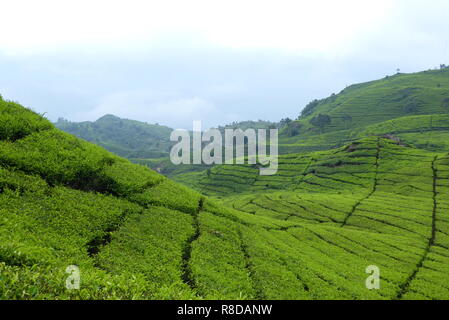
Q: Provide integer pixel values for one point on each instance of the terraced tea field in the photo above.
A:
(308, 232)
(374, 202)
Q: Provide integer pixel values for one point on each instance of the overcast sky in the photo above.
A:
(172, 62)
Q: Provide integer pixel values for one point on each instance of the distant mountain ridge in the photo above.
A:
(412, 107)
(138, 141)
(127, 138)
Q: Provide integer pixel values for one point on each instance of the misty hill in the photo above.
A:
(411, 107)
(136, 140)
(140, 142)
(127, 138)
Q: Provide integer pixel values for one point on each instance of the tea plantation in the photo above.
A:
(414, 107)
(308, 232)
(373, 202)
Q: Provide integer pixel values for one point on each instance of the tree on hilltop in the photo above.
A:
(321, 121)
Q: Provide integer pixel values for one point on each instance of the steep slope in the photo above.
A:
(429, 132)
(393, 97)
(131, 232)
(333, 121)
(63, 200)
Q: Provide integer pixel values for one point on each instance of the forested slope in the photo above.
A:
(126, 138)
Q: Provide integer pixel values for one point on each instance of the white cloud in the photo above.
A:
(224, 89)
(216, 61)
(28, 26)
(166, 108)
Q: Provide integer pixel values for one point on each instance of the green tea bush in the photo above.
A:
(218, 263)
(150, 244)
(16, 122)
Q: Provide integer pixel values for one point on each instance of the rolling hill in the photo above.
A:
(376, 108)
(412, 106)
(127, 138)
(140, 142)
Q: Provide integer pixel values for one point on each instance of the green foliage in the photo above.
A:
(309, 108)
(60, 158)
(363, 105)
(260, 124)
(285, 122)
(368, 203)
(219, 260)
(170, 195)
(150, 244)
(17, 122)
(308, 232)
(293, 129)
(64, 201)
(127, 138)
(321, 121)
(445, 103)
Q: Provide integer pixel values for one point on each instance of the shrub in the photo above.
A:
(17, 122)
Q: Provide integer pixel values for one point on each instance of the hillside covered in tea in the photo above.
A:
(376, 197)
(413, 107)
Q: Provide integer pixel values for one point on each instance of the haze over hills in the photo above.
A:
(127, 138)
(413, 107)
(369, 189)
(140, 142)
